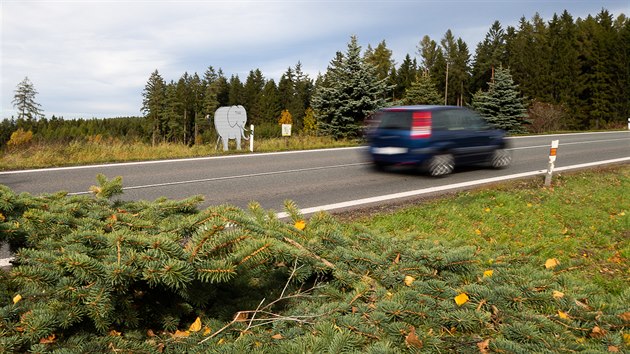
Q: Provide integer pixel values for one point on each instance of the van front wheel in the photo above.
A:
(501, 158)
(441, 165)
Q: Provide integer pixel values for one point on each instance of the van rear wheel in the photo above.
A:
(441, 165)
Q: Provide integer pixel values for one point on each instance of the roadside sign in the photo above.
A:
(286, 129)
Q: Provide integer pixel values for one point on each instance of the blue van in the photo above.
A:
(435, 139)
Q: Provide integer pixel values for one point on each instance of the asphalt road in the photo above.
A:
(330, 179)
(310, 178)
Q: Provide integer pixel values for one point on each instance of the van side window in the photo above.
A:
(475, 121)
(454, 119)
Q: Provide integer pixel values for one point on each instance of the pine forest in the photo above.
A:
(569, 74)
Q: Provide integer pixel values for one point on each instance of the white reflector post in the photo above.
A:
(552, 161)
(251, 138)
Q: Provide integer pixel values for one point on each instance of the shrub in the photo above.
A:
(20, 138)
(546, 117)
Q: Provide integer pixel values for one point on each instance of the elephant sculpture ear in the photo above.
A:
(234, 114)
(231, 118)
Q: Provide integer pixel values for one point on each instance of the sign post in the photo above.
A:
(552, 161)
(286, 132)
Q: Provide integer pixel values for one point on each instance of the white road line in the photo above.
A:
(564, 144)
(418, 192)
(5, 262)
(152, 162)
(233, 177)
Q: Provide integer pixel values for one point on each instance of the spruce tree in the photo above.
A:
(349, 92)
(502, 105)
(422, 91)
(381, 59)
(24, 101)
(404, 76)
(210, 98)
(154, 104)
(252, 93)
(271, 105)
(490, 54)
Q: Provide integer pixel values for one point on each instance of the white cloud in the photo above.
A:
(93, 58)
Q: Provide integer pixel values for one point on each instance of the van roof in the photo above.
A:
(420, 107)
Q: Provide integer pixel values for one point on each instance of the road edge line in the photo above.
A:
(418, 192)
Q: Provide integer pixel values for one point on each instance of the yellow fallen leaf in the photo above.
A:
(221, 341)
(47, 340)
(2, 218)
(300, 224)
(277, 336)
(412, 339)
(622, 214)
(557, 294)
(478, 232)
(195, 326)
(461, 299)
(529, 205)
(240, 317)
(626, 338)
(181, 334)
(409, 280)
(17, 298)
(487, 210)
(597, 332)
(206, 330)
(115, 333)
(613, 349)
(488, 273)
(551, 263)
(563, 315)
(484, 346)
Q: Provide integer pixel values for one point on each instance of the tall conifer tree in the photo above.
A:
(502, 105)
(24, 101)
(422, 91)
(349, 93)
(154, 104)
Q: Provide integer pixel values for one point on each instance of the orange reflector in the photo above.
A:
(553, 152)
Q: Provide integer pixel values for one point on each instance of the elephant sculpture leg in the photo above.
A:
(225, 144)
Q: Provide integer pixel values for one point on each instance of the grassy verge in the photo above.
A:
(582, 221)
(516, 268)
(96, 152)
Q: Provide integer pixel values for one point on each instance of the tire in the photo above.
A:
(379, 166)
(441, 165)
(501, 158)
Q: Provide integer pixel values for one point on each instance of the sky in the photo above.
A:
(93, 58)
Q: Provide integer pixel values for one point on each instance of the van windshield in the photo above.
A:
(394, 119)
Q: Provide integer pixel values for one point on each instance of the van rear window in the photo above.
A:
(394, 119)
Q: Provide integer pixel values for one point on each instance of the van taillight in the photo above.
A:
(421, 125)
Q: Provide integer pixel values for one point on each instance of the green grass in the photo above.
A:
(113, 150)
(583, 221)
(386, 283)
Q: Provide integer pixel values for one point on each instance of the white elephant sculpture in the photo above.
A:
(230, 124)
